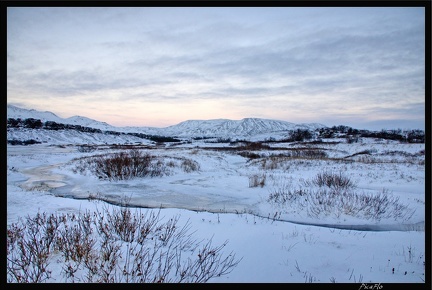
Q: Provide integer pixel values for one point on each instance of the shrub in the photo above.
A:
(249, 155)
(123, 165)
(257, 180)
(253, 146)
(338, 201)
(118, 246)
(33, 123)
(86, 148)
(284, 194)
(300, 135)
(331, 180)
(25, 142)
(314, 154)
(272, 162)
(189, 165)
(14, 123)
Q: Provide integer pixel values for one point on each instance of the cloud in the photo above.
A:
(306, 61)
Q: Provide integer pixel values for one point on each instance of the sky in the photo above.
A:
(157, 66)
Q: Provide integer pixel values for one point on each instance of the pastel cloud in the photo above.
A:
(287, 63)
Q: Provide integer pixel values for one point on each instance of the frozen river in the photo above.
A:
(218, 188)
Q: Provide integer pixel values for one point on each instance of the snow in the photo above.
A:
(16, 112)
(222, 128)
(276, 243)
(65, 137)
(239, 129)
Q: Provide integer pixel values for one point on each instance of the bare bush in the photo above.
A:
(256, 180)
(131, 164)
(251, 146)
(249, 155)
(309, 153)
(331, 180)
(171, 163)
(338, 201)
(189, 165)
(112, 246)
(86, 148)
(29, 245)
(315, 154)
(284, 194)
(122, 165)
(275, 162)
(376, 206)
(271, 162)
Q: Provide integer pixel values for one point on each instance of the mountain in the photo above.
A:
(87, 122)
(16, 112)
(247, 128)
(244, 128)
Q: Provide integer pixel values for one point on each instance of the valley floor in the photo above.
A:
(261, 204)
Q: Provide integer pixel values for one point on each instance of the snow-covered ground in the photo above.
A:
(227, 198)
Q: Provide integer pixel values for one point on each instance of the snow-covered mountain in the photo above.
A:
(87, 122)
(244, 128)
(221, 128)
(16, 112)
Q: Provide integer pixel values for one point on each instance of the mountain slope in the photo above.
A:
(221, 128)
(16, 112)
(87, 122)
(247, 127)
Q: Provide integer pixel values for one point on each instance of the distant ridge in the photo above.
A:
(246, 127)
(16, 112)
(222, 128)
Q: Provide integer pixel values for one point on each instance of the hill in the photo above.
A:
(247, 128)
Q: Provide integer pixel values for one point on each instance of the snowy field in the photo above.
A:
(264, 203)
